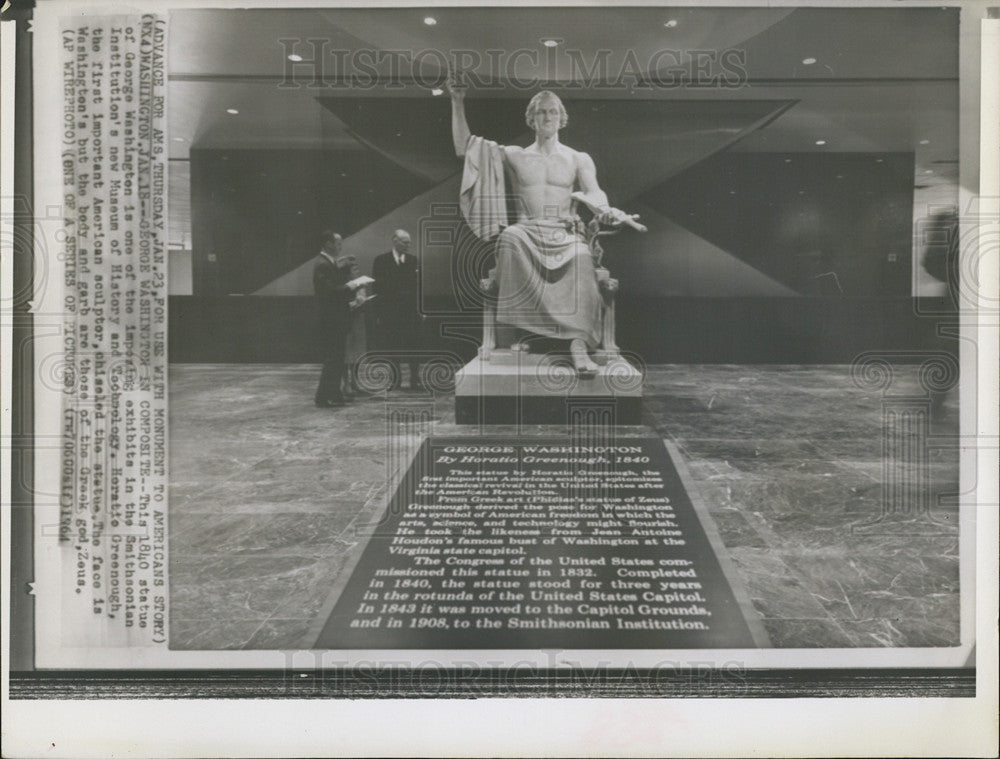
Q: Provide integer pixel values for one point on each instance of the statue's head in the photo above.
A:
(546, 103)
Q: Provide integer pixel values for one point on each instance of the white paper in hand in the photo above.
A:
(361, 281)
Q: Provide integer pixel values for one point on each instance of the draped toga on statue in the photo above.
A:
(545, 269)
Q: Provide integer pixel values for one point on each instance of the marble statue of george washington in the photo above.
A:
(545, 267)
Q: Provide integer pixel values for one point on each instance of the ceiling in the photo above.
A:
(847, 42)
(883, 79)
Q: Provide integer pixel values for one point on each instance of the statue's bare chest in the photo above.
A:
(535, 169)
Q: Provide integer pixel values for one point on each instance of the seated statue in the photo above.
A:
(547, 280)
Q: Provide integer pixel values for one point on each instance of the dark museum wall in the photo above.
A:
(255, 214)
(816, 224)
(751, 257)
(819, 223)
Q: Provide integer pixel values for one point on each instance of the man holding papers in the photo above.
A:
(335, 288)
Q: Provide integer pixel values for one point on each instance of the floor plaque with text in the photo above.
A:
(517, 542)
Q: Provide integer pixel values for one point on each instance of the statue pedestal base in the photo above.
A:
(516, 387)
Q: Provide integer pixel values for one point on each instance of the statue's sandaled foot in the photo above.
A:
(581, 359)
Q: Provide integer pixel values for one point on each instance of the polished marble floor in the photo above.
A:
(267, 493)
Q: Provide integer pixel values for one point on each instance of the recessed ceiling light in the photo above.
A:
(430, 21)
(928, 171)
(821, 142)
(840, 176)
(925, 142)
(808, 61)
(178, 139)
(788, 160)
(550, 43)
(878, 160)
(437, 91)
(233, 111)
(671, 23)
(295, 57)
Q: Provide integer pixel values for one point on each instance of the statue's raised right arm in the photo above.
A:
(459, 126)
(482, 195)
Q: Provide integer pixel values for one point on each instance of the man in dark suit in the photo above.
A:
(399, 323)
(334, 290)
